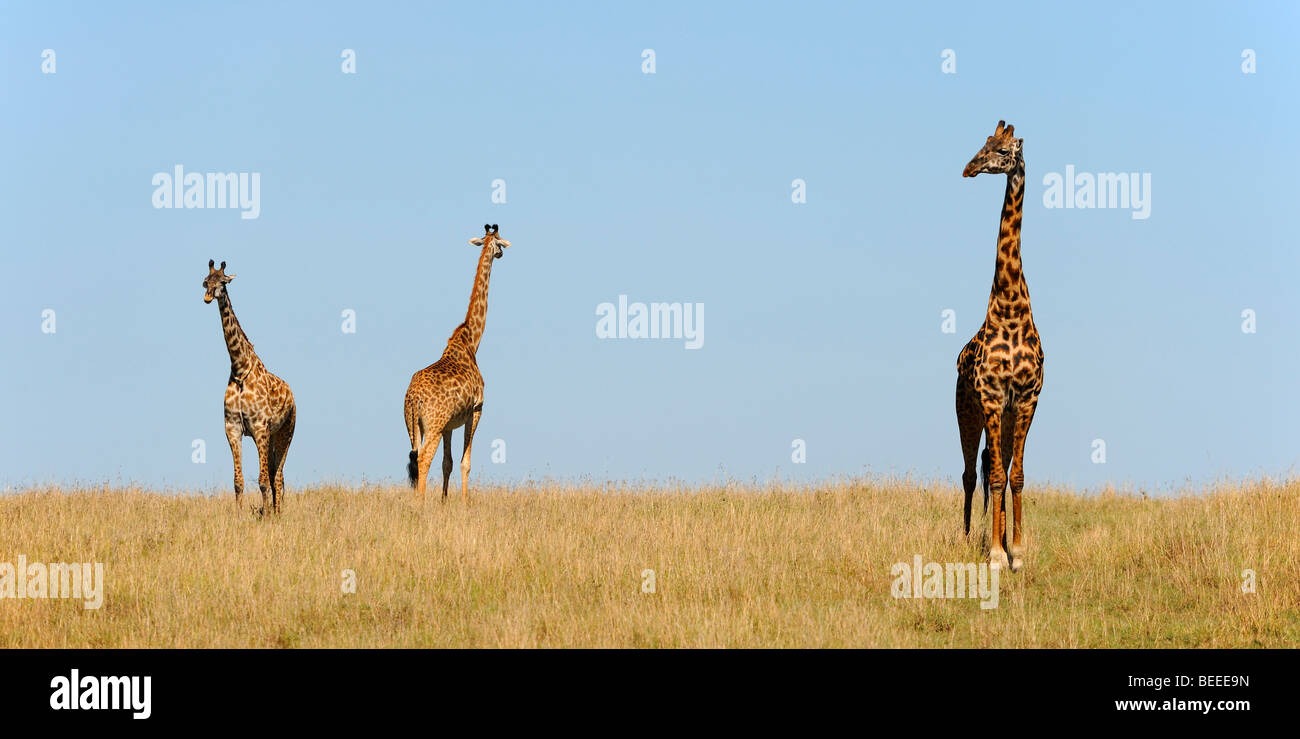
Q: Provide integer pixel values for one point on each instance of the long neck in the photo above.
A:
(1009, 298)
(476, 316)
(242, 356)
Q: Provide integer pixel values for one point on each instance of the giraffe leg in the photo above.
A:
(970, 424)
(1008, 438)
(262, 437)
(235, 435)
(446, 461)
(422, 462)
(280, 446)
(1023, 418)
(272, 461)
(997, 481)
(1008, 435)
(470, 426)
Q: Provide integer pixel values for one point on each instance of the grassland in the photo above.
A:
(735, 566)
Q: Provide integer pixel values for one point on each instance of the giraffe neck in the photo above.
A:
(242, 357)
(476, 316)
(1009, 298)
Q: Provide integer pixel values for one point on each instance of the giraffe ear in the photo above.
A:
(503, 242)
(227, 278)
(476, 241)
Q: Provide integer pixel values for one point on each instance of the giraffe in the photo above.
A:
(449, 393)
(1000, 371)
(258, 404)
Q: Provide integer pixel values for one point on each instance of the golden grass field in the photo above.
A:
(735, 566)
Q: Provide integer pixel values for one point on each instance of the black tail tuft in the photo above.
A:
(986, 467)
(413, 470)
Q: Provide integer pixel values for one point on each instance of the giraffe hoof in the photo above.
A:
(1017, 558)
(998, 558)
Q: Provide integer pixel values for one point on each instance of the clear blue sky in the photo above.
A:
(822, 319)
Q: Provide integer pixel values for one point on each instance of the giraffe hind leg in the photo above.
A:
(970, 424)
(428, 448)
(263, 441)
(279, 452)
(446, 461)
(470, 426)
(423, 459)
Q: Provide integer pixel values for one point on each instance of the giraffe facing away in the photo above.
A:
(258, 404)
(1000, 372)
(448, 394)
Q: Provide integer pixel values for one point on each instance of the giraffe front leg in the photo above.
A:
(1023, 418)
(470, 426)
(997, 483)
(234, 435)
(446, 462)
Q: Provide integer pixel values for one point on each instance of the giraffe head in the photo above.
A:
(214, 285)
(1000, 154)
(491, 240)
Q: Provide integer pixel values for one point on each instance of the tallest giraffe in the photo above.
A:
(448, 394)
(1000, 371)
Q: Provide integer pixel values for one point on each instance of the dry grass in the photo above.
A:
(552, 566)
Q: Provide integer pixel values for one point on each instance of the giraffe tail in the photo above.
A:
(412, 463)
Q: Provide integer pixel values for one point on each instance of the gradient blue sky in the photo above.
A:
(822, 319)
